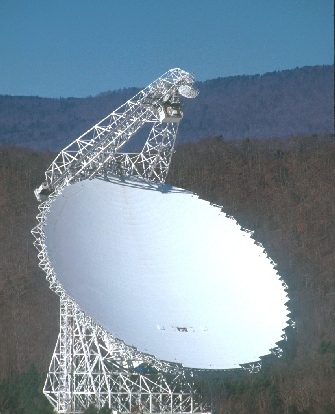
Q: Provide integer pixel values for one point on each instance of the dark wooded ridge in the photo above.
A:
(276, 104)
(284, 190)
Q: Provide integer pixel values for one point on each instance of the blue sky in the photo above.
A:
(54, 48)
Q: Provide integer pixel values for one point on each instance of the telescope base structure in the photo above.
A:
(90, 366)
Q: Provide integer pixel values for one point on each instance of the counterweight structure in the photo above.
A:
(89, 365)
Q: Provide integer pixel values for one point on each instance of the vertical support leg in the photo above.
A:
(58, 385)
(90, 366)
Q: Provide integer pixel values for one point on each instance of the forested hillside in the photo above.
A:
(28, 309)
(284, 190)
(277, 104)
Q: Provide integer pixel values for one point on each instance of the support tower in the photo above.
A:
(89, 365)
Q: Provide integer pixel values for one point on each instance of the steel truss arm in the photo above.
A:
(96, 151)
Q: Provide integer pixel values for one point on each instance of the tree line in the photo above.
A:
(282, 189)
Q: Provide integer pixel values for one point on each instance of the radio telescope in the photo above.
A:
(155, 284)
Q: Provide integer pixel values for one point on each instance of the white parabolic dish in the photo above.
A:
(166, 272)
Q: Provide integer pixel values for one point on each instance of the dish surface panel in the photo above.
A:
(166, 272)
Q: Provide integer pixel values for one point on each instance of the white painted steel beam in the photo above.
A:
(94, 151)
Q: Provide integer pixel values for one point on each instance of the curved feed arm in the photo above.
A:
(96, 151)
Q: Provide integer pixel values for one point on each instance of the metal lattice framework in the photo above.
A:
(89, 365)
(96, 153)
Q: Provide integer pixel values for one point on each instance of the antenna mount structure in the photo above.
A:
(89, 365)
